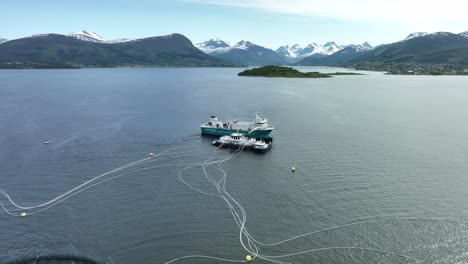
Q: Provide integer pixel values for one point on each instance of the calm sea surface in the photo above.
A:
(366, 148)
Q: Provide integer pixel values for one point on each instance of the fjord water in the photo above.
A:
(367, 147)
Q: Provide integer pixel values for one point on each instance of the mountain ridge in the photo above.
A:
(242, 53)
(89, 49)
(285, 54)
(56, 50)
(314, 50)
(409, 49)
(417, 48)
(344, 55)
(87, 36)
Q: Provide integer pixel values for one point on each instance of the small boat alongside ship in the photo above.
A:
(261, 146)
(257, 129)
(238, 140)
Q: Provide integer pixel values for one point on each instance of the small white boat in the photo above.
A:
(238, 140)
(234, 140)
(261, 146)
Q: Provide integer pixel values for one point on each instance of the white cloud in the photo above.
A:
(398, 11)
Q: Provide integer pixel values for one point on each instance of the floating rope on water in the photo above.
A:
(84, 186)
(251, 245)
(247, 241)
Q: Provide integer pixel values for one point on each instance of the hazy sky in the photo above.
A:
(266, 22)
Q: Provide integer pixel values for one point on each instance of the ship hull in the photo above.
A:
(257, 134)
(258, 150)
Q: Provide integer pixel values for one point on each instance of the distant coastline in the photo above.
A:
(390, 69)
(413, 69)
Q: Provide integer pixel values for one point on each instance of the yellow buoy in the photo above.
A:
(248, 258)
(293, 169)
(23, 214)
(46, 142)
(151, 154)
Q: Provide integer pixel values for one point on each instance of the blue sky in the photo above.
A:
(266, 22)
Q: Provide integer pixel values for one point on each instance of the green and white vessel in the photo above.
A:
(258, 129)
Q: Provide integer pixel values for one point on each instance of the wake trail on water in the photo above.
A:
(251, 245)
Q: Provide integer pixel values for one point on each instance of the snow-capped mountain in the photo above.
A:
(212, 44)
(94, 37)
(433, 48)
(415, 35)
(295, 53)
(245, 45)
(122, 40)
(436, 35)
(332, 47)
(241, 53)
(3, 40)
(345, 54)
(440, 34)
(366, 45)
(333, 54)
(464, 34)
(289, 52)
(219, 46)
(312, 49)
(360, 47)
(87, 36)
(57, 50)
